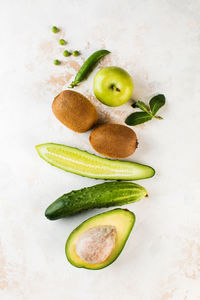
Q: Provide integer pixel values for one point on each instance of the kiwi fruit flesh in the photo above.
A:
(75, 111)
(114, 140)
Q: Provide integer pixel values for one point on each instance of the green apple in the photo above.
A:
(113, 86)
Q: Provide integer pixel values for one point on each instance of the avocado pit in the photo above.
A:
(96, 245)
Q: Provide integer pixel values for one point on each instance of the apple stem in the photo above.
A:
(113, 87)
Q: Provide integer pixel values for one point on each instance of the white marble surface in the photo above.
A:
(158, 42)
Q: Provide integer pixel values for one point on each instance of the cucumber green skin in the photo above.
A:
(94, 165)
(88, 66)
(101, 195)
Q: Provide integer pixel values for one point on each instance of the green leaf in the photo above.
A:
(156, 103)
(138, 118)
(142, 106)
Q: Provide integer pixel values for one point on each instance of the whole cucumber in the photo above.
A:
(101, 195)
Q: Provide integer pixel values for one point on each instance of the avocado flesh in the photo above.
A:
(122, 220)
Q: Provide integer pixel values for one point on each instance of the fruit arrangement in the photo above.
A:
(98, 241)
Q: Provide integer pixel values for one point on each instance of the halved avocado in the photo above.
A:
(116, 226)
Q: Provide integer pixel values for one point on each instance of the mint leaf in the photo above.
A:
(146, 115)
(138, 118)
(156, 103)
(142, 106)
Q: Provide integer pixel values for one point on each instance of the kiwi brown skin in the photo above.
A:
(75, 111)
(114, 140)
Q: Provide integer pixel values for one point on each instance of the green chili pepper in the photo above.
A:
(88, 66)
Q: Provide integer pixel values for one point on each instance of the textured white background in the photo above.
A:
(158, 42)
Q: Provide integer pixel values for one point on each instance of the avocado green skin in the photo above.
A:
(101, 195)
(92, 166)
(75, 231)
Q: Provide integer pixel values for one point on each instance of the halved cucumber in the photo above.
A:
(89, 165)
